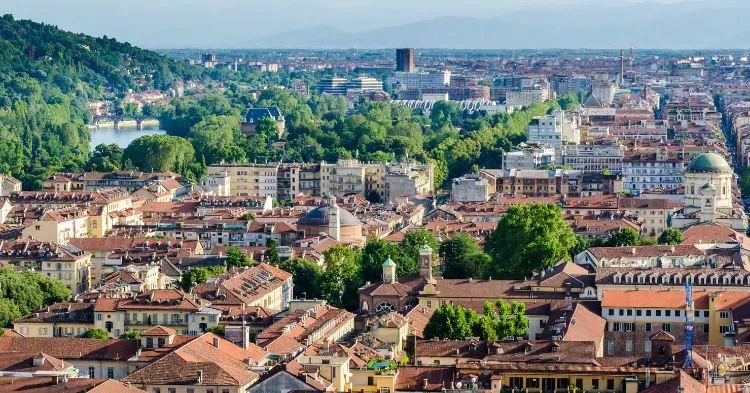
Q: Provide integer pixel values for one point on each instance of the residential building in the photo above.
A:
(530, 157)
(644, 171)
(262, 285)
(527, 96)
(604, 91)
(652, 214)
(594, 158)
(248, 179)
(539, 182)
(554, 130)
(421, 79)
(58, 226)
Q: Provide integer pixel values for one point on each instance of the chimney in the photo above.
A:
(216, 342)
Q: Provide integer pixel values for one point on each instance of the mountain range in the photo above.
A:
(702, 24)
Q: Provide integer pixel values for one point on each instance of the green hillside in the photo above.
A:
(46, 77)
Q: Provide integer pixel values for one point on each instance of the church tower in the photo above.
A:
(425, 263)
(389, 271)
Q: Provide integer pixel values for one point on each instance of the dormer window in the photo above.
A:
(665, 279)
(629, 278)
(617, 278)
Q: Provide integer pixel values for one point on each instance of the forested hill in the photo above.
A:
(46, 77)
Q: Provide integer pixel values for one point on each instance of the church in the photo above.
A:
(708, 181)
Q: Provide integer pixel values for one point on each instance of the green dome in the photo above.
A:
(709, 163)
(389, 262)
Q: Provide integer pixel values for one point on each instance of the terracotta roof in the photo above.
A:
(585, 325)
(159, 331)
(225, 365)
(644, 251)
(73, 385)
(72, 348)
(423, 379)
(711, 233)
(682, 382)
(674, 299)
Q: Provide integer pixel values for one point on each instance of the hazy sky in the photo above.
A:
(228, 23)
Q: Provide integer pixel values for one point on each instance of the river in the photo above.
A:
(107, 134)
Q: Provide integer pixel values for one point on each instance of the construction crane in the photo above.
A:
(689, 318)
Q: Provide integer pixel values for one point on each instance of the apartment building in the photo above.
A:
(645, 171)
(248, 179)
(540, 183)
(93, 181)
(263, 285)
(59, 226)
(554, 130)
(594, 158)
(530, 157)
(167, 307)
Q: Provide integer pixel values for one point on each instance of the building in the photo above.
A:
(8, 185)
(540, 183)
(219, 184)
(167, 307)
(604, 91)
(653, 214)
(554, 130)
(530, 157)
(364, 84)
(528, 96)
(646, 171)
(594, 158)
(421, 80)
(64, 263)
(255, 115)
(708, 182)
(470, 188)
(334, 221)
(405, 60)
(248, 179)
(262, 285)
(333, 86)
(58, 226)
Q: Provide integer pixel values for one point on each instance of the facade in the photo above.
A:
(531, 157)
(422, 79)
(540, 183)
(248, 179)
(643, 171)
(594, 158)
(263, 285)
(405, 60)
(554, 130)
(604, 92)
(653, 214)
(333, 86)
(527, 96)
(470, 188)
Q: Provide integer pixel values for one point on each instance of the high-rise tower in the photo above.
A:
(405, 60)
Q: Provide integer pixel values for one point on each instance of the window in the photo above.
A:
(621, 312)
(628, 345)
(224, 390)
(190, 390)
(677, 313)
(648, 313)
(638, 313)
(516, 382)
(667, 313)
(705, 328)
(611, 311)
(110, 372)
(92, 373)
(610, 384)
(667, 327)
(648, 326)
(171, 390)
(532, 383)
(98, 317)
(724, 314)
(658, 313)
(723, 329)
(647, 346)
(595, 384)
(157, 390)
(149, 342)
(370, 381)
(436, 362)
(563, 383)
(705, 314)
(630, 313)
(542, 323)
(610, 348)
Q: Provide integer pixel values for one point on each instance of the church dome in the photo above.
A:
(709, 163)
(321, 216)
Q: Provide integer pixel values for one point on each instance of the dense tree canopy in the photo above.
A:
(528, 237)
(671, 236)
(159, 153)
(22, 292)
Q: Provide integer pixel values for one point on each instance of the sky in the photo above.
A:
(230, 23)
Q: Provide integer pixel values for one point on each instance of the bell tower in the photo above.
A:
(425, 263)
(389, 271)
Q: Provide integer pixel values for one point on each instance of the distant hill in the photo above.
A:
(706, 24)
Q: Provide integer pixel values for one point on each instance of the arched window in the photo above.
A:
(715, 279)
(665, 279)
(629, 278)
(384, 307)
(702, 279)
(617, 278)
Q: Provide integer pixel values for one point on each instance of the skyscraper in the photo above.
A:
(405, 60)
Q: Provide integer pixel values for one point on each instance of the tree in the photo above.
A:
(160, 153)
(216, 139)
(198, 275)
(624, 237)
(512, 319)
(271, 255)
(131, 335)
(217, 330)
(341, 278)
(449, 322)
(582, 244)
(462, 257)
(416, 239)
(98, 334)
(671, 236)
(375, 252)
(22, 292)
(528, 237)
(306, 276)
(237, 258)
